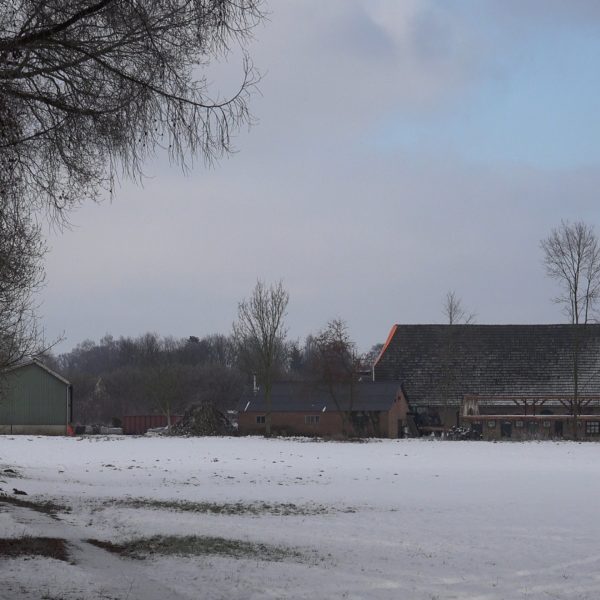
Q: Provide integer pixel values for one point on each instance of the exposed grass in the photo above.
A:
(44, 506)
(9, 472)
(201, 546)
(229, 508)
(34, 546)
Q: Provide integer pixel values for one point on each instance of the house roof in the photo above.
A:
(438, 363)
(294, 396)
(35, 362)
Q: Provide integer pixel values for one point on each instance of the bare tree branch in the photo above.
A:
(455, 312)
(260, 333)
(89, 89)
(572, 258)
(21, 275)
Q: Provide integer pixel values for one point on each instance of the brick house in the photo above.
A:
(363, 409)
(508, 381)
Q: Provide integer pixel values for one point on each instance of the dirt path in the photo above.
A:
(91, 574)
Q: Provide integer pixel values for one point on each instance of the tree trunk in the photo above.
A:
(576, 407)
(268, 407)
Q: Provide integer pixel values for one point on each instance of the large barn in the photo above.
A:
(511, 381)
(363, 409)
(34, 400)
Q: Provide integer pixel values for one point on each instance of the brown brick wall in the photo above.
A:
(527, 431)
(331, 424)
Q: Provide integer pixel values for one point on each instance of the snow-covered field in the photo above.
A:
(407, 519)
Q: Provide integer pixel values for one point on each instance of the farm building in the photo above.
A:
(299, 408)
(34, 400)
(507, 381)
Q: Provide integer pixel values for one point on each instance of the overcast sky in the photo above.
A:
(403, 148)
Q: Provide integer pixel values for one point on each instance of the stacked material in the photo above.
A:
(203, 419)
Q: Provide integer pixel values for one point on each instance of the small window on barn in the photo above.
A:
(519, 424)
(311, 419)
(491, 424)
(547, 424)
(260, 419)
(592, 427)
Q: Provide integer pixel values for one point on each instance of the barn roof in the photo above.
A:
(435, 363)
(295, 396)
(35, 362)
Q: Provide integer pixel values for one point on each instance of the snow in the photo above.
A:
(414, 519)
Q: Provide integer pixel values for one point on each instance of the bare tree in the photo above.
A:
(368, 359)
(90, 88)
(456, 314)
(21, 275)
(337, 365)
(165, 390)
(455, 311)
(572, 258)
(260, 333)
(334, 353)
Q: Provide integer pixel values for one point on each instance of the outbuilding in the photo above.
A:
(360, 409)
(34, 399)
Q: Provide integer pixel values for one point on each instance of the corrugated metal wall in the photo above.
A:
(32, 396)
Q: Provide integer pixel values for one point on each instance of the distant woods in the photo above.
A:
(151, 374)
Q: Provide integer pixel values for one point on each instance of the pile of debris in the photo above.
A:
(203, 419)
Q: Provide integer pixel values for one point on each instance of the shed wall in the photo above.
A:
(33, 400)
(331, 424)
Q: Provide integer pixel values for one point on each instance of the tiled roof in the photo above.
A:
(439, 363)
(312, 397)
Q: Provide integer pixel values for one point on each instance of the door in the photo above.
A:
(400, 428)
(558, 429)
(506, 429)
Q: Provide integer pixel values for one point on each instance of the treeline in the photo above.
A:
(153, 374)
(149, 374)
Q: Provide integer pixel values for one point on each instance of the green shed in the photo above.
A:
(34, 400)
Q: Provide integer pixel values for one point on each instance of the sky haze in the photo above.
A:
(401, 150)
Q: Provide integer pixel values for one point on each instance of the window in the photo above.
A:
(592, 427)
(311, 419)
(519, 424)
(491, 424)
(546, 424)
(260, 419)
